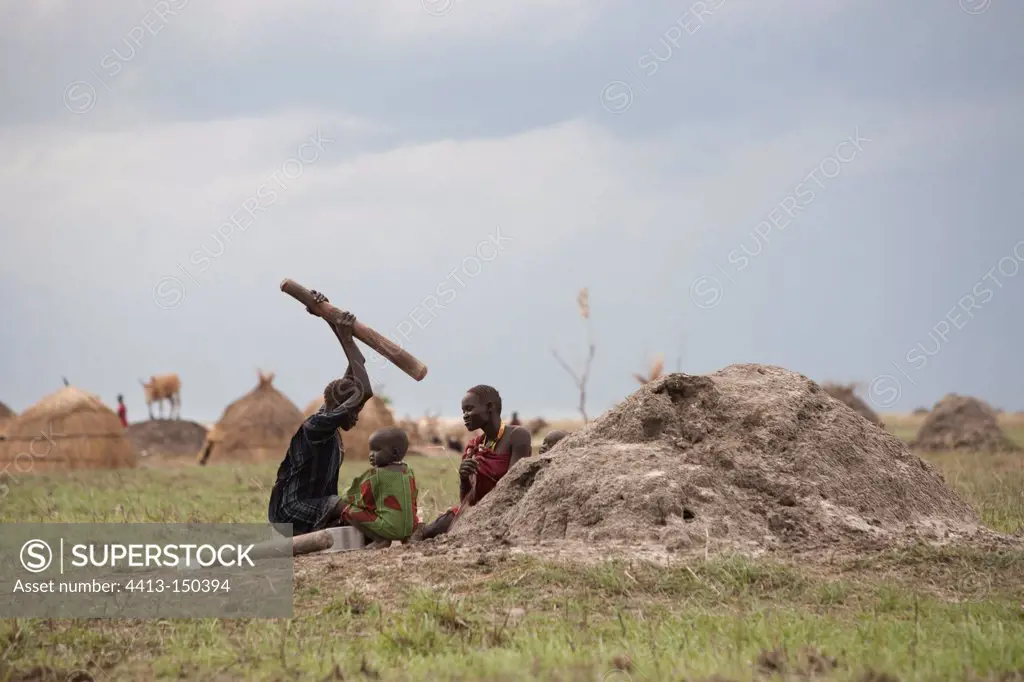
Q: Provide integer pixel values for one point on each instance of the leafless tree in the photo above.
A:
(580, 379)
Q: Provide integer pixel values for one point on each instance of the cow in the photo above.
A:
(160, 388)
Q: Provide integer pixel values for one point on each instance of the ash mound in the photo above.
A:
(750, 458)
(963, 423)
(166, 437)
(847, 394)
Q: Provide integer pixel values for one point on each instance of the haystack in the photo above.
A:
(962, 423)
(257, 427)
(66, 430)
(846, 394)
(750, 458)
(374, 415)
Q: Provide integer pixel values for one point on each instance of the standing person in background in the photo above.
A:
(515, 420)
(122, 411)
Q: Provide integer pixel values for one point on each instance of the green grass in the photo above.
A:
(919, 614)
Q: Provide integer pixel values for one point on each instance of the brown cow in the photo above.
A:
(160, 388)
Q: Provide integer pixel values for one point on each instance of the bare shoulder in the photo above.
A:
(520, 436)
(520, 432)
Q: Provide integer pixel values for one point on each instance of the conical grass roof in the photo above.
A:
(66, 430)
(257, 427)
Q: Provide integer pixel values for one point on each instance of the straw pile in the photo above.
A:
(69, 429)
(257, 427)
(374, 415)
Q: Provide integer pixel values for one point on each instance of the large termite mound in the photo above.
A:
(751, 458)
(962, 423)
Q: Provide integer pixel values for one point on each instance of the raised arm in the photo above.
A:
(344, 415)
(356, 362)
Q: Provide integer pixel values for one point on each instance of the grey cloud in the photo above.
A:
(712, 142)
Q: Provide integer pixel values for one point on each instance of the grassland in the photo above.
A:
(915, 614)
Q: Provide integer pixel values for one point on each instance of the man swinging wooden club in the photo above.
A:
(305, 493)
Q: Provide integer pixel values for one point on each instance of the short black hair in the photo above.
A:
(488, 394)
(554, 436)
(339, 390)
(394, 433)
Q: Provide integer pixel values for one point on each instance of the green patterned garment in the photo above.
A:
(383, 501)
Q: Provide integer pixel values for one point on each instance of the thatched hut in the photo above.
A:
(66, 430)
(374, 415)
(6, 415)
(255, 428)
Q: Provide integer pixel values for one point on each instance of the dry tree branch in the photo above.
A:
(583, 303)
(566, 366)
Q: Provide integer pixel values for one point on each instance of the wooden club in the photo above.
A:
(401, 358)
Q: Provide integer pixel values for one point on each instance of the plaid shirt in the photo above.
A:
(306, 492)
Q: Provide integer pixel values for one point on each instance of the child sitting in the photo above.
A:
(382, 502)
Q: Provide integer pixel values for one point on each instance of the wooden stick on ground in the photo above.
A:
(307, 543)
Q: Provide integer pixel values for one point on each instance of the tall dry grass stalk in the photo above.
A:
(583, 302)
(580, 379)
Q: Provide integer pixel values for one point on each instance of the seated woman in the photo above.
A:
(487, 458)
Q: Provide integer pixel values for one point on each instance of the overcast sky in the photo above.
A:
(833, 187)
